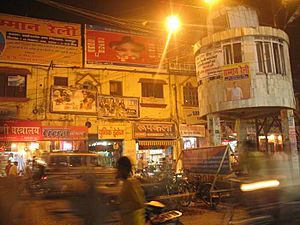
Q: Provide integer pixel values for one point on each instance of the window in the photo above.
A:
(60, 81)
(270, 57)
(260, 57)
(152, 90)
(190, 95)
(220, 23)
(232, 53)
(75, 161)
(12, 85)
(115, 88)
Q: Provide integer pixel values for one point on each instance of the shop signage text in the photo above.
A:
(54, 133)
(192, 116)
(154, 131)
(192, 130)
(20, 130)
(111, 132)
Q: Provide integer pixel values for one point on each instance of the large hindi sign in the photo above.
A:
(206, 160)
(154, 131)
(65, 99)
(20, 130)
(118, 107)
(105, 46)
(36, 41)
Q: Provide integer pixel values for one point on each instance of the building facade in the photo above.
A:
(59, 95)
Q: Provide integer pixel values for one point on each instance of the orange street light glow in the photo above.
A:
(260, 185)
(173, 23)
(211, 2)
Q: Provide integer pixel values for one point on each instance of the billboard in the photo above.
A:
(66, 99)
(111, 132)
(237, 81)
(55, 133)
(118, 107)
(106, 46)
(36, 41)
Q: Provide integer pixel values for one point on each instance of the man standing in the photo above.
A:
(13, 172)
(236, 92)
(141, 165)
(7, 167)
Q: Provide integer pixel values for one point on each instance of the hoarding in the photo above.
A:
(237, 81)
(66, 99)
(118, 107)
(192, 130)
(206, 160)
(36, 41)
(106, 46)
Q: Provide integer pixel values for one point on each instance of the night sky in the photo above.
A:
(153, 11)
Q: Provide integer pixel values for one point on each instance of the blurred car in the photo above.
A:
(75, 173)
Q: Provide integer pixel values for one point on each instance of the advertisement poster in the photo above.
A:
(154, 130)
(105, 46)
(192, 116)
(237, 81)
(36, 41)
(209, 65)
(70, 133)
(65, 99)
(20, 130)
(206, 160)
(111, 132)
(118, 107)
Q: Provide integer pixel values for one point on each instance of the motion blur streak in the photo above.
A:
(260, 185)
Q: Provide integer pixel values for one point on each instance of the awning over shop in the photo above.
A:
(14, 71)
(157, 143)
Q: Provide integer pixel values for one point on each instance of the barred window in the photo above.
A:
(190, 95)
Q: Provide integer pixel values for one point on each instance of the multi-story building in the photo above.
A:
(108, 95)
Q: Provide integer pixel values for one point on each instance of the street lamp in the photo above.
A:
(210, 2)
(173, 23)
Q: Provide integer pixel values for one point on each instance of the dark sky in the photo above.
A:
(190, 12)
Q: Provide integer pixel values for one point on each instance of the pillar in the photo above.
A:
(290, 140)
(214, 129)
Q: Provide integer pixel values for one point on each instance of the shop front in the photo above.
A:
(64, 138)
(193, 136)
(155, 142)
(108, 143)
(19, 141)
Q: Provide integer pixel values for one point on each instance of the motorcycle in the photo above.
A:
(155, 214)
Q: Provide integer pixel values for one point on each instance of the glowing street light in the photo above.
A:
(173, 23)
(210, 2)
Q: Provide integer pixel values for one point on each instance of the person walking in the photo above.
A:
(7, 167)
(13, 172)
(131, 197)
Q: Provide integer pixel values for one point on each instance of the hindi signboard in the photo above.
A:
(111, 132)
(106, 46)
(20, 130)
(206, 160)
(66, 99)
(69, 133)
(36, 41)
(118, 107)
(154, 131)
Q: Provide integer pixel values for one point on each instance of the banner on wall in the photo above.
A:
(111, 132)
(106, 46)
(237, 81)
(66, 99)
(20, 130)
(118, 107)
(36, 41)
(192, 130)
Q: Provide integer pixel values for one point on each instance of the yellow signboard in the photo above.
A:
(111, 132)
(36, 41)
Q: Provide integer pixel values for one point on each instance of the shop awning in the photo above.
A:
(157, 142)
(14, 71)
